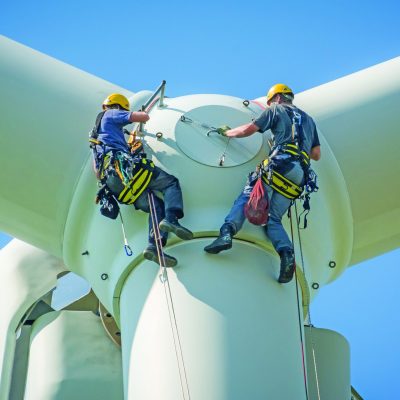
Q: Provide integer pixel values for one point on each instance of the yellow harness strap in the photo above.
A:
(294, 150)
(281, 184)
(139, 182)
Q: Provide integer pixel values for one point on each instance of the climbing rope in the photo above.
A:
(308, 309)
(169, 300)
(298, 311)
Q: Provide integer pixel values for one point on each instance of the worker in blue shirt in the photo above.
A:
(277, 117)
(114, 163)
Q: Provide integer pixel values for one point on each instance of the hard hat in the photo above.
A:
(278, 88)
(116, 98)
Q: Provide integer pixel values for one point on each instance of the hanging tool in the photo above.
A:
(222, 158)
(127, 248)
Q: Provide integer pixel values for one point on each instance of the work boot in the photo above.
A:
(150, 253)
(172, 225)
(287, 265)
(223, 241)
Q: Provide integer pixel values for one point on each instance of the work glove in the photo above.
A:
(223, 129)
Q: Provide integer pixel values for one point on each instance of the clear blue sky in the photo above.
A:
(241, 50)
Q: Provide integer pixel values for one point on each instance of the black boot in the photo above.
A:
(287, 265)
(171, 224)
(150, 253)
(223, 242)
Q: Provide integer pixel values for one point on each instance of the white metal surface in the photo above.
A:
(71, 357)
(237, 331)
(27, 274)
(328, 364)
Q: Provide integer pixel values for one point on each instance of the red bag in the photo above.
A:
(256, 209)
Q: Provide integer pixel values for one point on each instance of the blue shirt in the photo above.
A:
(111, 129)
(278, 121)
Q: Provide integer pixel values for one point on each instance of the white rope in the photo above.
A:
(170, 303)
(308, 308)
(298, 312)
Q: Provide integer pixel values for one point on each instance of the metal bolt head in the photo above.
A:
(104, 277)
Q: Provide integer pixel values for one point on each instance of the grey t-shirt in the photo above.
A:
(276, 118)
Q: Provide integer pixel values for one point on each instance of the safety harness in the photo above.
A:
(281, 156)
(279, 183)
(125, 175)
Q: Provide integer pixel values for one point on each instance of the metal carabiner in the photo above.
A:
(211, 130)
(186, 119)
(128, 250)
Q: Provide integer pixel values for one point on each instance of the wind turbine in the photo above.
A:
(216, 327)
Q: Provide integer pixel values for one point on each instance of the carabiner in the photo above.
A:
(128, 250)
(186, 119)
(210, 131)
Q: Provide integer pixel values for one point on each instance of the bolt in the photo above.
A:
(315, 285)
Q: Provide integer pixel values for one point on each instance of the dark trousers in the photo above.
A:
(170, 207)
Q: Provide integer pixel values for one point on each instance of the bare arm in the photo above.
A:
(139, 116)
(242, 131)
(315, 153)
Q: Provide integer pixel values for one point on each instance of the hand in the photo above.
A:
(223, 129)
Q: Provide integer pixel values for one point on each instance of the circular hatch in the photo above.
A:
(195, 136)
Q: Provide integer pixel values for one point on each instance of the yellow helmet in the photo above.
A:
(116, 98)
(278, 88)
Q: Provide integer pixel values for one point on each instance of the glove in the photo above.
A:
(223, 129)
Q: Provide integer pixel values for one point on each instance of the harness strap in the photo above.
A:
(134, 182)
(297, 128)
(94, 133)
(139, 182)
(294, 150)
(282, 185)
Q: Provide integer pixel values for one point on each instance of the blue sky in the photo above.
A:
(241, 50)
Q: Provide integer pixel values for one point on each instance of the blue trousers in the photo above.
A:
(172, 205)
(278, 205)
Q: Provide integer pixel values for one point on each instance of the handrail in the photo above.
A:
(161, 89)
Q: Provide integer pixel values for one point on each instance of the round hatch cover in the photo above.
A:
(195, 138)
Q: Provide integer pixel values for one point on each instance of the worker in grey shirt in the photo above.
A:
(278, 117)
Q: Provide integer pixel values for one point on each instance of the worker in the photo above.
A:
(130, 177)
(280, 117)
